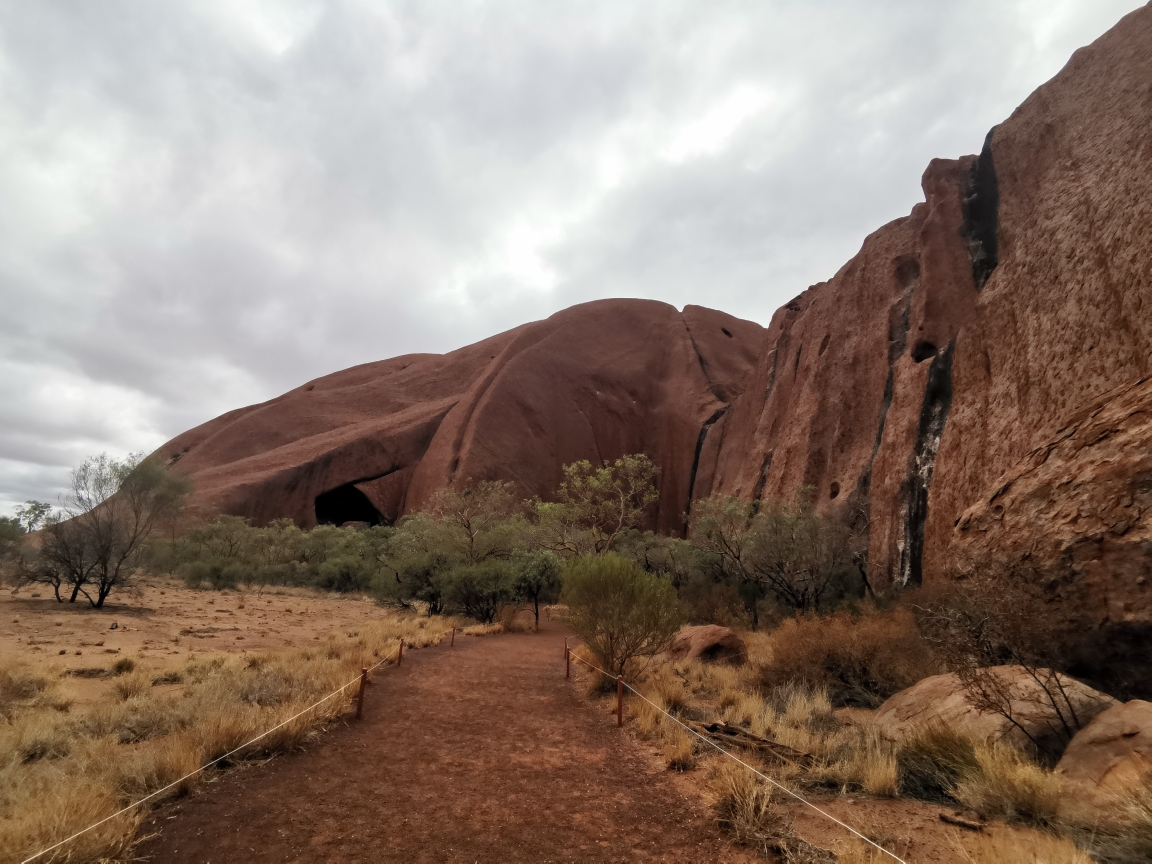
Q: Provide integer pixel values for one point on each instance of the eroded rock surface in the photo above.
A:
(373, 442)
(1108, 759)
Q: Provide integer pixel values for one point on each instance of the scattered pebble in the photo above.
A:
(114, 626)
(65, 651)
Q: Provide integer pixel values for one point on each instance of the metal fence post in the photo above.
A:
(619, 700)
(360, 695)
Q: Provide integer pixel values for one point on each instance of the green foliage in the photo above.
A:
(32, 515)
(537, 579)
(11, 535)
(479, 590)
(802, 559)
(595, 504)
(621, 611)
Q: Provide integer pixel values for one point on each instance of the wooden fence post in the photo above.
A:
(452, 644)
(400, 656)
(360, 695)
(619, 700)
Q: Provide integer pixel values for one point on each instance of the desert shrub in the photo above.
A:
(622, 612)
(18, 684)
(932, 761)
(479, 590)
(860, 659)
(123, 666)
(1009, 785)
(746, 807)
(804, 560)
(346, 573)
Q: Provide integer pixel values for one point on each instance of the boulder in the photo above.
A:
(942, 700)
(709, 643)
(1106, 760)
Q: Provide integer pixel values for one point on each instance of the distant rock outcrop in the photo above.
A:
(376, 441)
(972, 387)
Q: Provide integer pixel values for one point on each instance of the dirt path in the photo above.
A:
(478, 753)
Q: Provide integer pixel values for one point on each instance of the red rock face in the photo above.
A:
(376, 441)
(959, 340)
(963, 336)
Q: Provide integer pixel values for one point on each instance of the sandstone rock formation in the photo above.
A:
(370, 443)
(1108, 759)
(942, 700)
(972, 387)
(708, 642)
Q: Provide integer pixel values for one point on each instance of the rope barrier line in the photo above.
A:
(207, 765)
(737, 759)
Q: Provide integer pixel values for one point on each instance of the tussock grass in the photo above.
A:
(747, 808)
(1011, 786)
(62, 770)
(1004, 848)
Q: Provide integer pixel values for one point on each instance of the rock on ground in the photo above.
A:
(709, 643)
(1106, 760)
(942, 700)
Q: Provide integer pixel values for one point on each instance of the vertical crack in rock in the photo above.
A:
(907, 275)
(981, 205)
(708, 424)
(933, 416)
(758, 492)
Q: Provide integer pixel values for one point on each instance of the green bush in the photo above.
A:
(479, 590)
(622, 612)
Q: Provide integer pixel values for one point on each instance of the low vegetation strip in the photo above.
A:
(709, 742)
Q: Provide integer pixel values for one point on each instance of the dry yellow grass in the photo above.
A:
(1010, 848)
(63, 770)
(1009, 785)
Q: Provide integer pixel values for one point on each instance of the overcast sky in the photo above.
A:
(203, 204)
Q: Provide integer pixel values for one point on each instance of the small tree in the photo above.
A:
(597, 503)
(108, 515)
(477, 522)
(622, 612)
(537, 577)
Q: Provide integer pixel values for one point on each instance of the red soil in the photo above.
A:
(481, 752)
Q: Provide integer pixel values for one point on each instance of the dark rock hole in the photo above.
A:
(922, 351)
(724, 330)
(346, 504)
(824, 344)
(311, 386)
(834, 491)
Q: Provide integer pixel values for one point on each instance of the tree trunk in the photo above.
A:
(75, 592)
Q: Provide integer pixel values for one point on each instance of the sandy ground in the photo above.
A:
(163, 623)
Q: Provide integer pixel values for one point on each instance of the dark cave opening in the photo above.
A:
(346, 504)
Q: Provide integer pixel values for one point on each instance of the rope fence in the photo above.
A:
(361, 679)
(622, 685)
